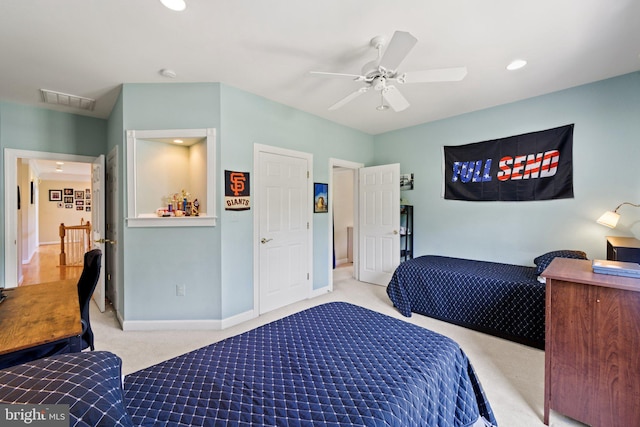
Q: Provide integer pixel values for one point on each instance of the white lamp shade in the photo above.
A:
(609, 219)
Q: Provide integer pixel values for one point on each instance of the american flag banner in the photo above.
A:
(531, 166)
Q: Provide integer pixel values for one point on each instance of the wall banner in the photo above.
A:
(236, 191)
(531, 166)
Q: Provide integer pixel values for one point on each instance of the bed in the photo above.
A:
(334, 364)
(504, 300)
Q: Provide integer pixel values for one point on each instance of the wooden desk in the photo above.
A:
(592, 368)
(39, 315)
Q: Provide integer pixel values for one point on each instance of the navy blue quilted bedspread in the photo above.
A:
(333, 365)
(500, 299)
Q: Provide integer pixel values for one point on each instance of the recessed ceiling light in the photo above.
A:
(178, 141)
(60, 163)
(177, 5)
(516, 64)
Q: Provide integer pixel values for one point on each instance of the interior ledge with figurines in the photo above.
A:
(171, 178)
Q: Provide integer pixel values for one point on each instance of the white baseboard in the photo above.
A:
(183, 325)
(342, 261)
(319, 291)
(237, 319)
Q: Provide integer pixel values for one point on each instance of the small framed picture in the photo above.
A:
(320, 199)
(60, 204)
(87, 202)
(79, 208)
(406, 182)
(68, 199)
(79, 194)
(87, 193)
(79, 202)
(68, 205)
(88, 209)
(55, 195)
(68, 191)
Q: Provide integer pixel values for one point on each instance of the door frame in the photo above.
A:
(354, 166)
(11, 157)
(258, 148)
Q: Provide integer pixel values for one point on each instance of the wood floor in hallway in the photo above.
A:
(45, 267)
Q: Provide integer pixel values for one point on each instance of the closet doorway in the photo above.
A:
(343, 229)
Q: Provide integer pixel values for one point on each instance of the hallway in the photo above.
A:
(45, 267)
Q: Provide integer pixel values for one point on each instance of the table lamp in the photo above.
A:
(610, 218)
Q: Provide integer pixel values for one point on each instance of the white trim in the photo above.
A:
(170, 325)
(257, 148)
(354, 166)
(319, 291)
(11, 157)
(184, 325)
(155, 221)
(237, 319)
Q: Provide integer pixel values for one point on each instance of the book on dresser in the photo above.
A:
(616, 268)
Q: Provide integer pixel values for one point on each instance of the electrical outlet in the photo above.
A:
(181, 290)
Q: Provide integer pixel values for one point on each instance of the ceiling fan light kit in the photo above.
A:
(377, 74)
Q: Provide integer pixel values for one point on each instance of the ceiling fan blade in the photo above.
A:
(395, 98)
(325, 74)
(349, 98)
(399, 47)
(438, 75)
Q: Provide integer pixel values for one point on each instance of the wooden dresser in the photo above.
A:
(592, 354)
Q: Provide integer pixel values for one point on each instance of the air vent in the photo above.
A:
(67, 100)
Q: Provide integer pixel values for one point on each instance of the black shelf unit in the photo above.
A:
(406, 232)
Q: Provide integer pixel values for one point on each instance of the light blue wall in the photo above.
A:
(216, 263)
(249, 119)
(36, 129)
(606, 151)
(158, 259)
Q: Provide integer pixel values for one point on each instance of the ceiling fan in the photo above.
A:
(378, 73)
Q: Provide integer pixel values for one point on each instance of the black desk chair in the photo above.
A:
(86, 286)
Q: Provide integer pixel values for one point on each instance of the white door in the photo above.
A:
(283, 230)
(97, 223)
(379, 218)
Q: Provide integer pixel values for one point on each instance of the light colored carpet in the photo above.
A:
(511, 374)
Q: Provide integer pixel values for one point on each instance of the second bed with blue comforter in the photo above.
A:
(499, 299)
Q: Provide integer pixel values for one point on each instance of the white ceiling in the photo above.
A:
(52, 170)
(268, 47)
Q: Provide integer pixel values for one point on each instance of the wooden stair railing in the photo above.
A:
(75, 240)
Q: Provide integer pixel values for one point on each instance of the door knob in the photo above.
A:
(395, 231)
(113, 242)
(263, 241)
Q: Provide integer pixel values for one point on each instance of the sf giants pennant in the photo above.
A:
(532, 166)
(236, 191)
